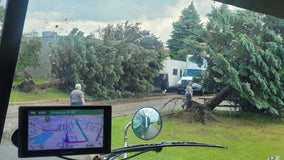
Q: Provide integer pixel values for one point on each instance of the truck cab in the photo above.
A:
(192, 73)
(194, 76)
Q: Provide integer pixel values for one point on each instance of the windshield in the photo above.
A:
(117, 52)
(192, 72)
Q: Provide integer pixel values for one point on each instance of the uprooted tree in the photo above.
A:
(28, 57)
(120, 64)
(192, 111)
(244, 56)
(245, 61)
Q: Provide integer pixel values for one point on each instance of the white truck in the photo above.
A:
(192, 70)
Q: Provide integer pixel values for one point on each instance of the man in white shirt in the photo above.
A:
(77, 97)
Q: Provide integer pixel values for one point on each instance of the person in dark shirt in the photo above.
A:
(164, 84)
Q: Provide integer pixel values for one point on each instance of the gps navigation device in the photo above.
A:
(64, 130)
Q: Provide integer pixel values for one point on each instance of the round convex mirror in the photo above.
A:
(147, 123)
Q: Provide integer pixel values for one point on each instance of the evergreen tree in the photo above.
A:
(245, 60)
(29, 53)
(74, 59)
(142, 55)
(275, 24)
(187, 35)
(122, 64)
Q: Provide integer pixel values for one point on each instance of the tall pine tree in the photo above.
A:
(245, 60)
(187, 34)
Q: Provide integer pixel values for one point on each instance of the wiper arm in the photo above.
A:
(157, 147)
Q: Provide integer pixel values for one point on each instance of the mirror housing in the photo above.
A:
(147, 123)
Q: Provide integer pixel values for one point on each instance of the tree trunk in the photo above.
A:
(219, 97)
(27, 76)
(28, 85)
(51, 83)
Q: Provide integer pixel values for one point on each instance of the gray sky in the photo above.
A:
(156, 16)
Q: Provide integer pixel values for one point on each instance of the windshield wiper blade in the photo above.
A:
(157, 147)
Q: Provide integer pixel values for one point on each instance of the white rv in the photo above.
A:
(173, 69)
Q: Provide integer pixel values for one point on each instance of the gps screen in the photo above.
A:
(64, 131)
(60, 129)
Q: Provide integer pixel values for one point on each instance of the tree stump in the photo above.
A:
(26, 86)
(197, 111)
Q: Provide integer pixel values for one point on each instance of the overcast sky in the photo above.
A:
(61, 16)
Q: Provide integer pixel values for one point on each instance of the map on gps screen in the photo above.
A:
(65, 129)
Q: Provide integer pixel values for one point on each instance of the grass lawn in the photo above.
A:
(37, 94)
(46, 94)
(248, 137)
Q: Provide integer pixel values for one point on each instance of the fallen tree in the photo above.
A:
(28, 85)
(51, 83)
(190, 112)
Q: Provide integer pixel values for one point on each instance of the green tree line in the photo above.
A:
(121, 63)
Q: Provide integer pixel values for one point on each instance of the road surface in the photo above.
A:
(119, 107)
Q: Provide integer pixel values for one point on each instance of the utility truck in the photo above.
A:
(192, 73)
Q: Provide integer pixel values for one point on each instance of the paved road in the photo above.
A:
(119, 107)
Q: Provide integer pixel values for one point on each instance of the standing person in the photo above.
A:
(164, 84)
(77, 96)
(188, 92)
